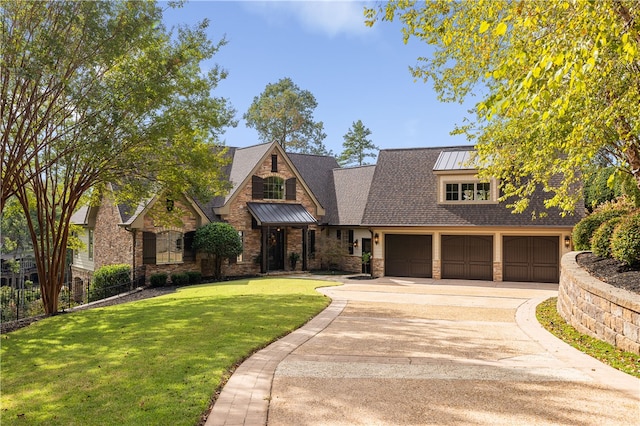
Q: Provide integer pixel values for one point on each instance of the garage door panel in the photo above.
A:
(408, 255)
(532, 259)
(467, 257)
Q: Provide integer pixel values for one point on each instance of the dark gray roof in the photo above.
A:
(404, 192)
(280, 214)
(317, 172)
(352, 190)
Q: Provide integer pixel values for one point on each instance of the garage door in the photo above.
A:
(467, 257)
(407, 255)
(532, 259)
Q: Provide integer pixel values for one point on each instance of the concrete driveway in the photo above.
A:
(417, 352)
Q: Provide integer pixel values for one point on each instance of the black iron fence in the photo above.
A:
(21, 303)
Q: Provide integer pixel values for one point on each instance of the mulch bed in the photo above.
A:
(611, 271)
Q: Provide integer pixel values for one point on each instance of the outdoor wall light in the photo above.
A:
(376, 239)
(355, 243)
(567, 241)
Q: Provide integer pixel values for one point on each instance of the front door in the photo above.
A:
(275, 253)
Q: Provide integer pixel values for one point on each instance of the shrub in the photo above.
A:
(158, 280)
(625, 244)
(601, 239)
(109, 280)
(194, 277)
(583, 231)
(180, 278)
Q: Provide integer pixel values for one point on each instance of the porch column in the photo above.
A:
(304, 247)
(264, 250)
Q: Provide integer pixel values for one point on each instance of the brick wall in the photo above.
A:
(112, 243)
(240, 218)
(595, 308)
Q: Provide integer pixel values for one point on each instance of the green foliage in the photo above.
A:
(625, 244)
(19, 303)
(180, 279)
(158, 280)
(558, 81)
(123, 100)
(284, 113)
(357, 146)
(156, 361)
(109, 280)
(219, 241)
(601, 239)
(583, 231)
(195, 277)
(293, 259)
(596, 187)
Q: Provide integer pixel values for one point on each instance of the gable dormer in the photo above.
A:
(458, 182)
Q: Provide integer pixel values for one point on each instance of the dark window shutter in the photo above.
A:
(274, 163)
(339, 234)
(350, 241)
(257, 188)
(148, 248)
(189, 254)
(291, 189)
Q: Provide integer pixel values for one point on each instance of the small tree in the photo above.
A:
(356, 145)
(219, 241)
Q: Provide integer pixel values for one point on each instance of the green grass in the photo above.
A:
(548, 316)
(152, 362)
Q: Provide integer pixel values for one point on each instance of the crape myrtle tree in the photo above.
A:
(219, 241)
(101, 92)
(558, 80)
(284, 113)
(356, 145)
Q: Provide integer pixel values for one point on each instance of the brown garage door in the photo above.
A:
(407, 255)
(532, 259)
(467, 257)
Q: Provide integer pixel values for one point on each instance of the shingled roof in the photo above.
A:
(317, 172)
(404, 193)
(352, 190)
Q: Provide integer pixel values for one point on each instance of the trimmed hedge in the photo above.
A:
(109, 280)
(158, 280)
(194, 277)
(583, 231)
(180, 278)
(625, 244)
(601, 240)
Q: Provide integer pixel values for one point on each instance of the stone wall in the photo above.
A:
(112, 243)
(597, 309)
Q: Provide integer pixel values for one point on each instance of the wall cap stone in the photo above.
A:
(619, 296)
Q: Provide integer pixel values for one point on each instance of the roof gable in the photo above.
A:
(404, 193)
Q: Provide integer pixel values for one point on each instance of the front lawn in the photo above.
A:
(152, 362)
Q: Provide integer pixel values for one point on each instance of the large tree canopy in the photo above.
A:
(559, 81)
(97, 92)
(284, 113)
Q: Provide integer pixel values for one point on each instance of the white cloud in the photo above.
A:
(327, 17)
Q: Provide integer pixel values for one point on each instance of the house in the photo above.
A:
(420, 213)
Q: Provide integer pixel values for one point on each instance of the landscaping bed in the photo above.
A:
(611, 271)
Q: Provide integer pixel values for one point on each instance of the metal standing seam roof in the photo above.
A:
(280, 214)
(453, 160)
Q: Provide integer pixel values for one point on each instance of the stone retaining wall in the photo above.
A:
(597, 309)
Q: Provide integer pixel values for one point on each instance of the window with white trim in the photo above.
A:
(467, 191)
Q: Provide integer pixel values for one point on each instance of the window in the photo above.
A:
(468, 191)
(90, 244)
(169, 246)
(312, 244)
(274, 188)
(274, 163)
(241, 255)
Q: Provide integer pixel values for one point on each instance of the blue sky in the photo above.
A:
(354, 72)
